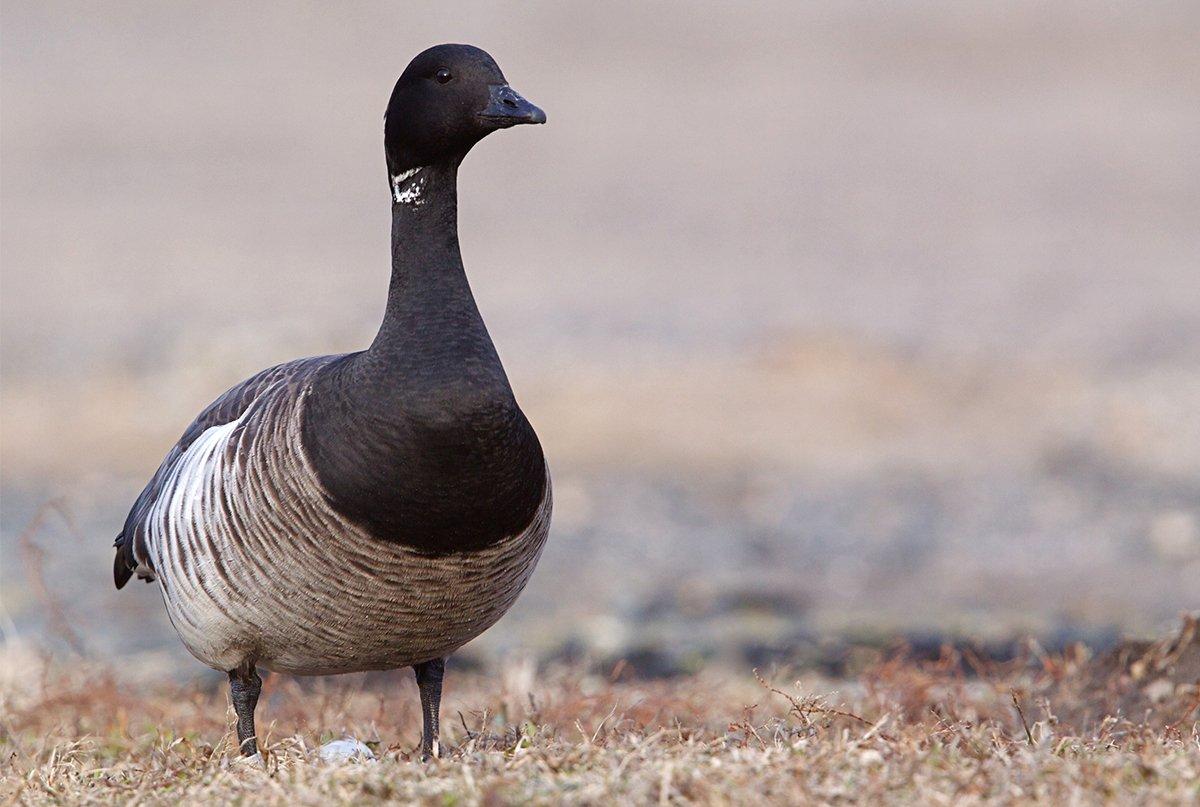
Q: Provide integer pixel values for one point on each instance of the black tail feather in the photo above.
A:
(122, 569)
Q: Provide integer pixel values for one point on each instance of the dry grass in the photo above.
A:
(1053, 729)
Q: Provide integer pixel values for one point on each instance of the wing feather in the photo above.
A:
(284, 378)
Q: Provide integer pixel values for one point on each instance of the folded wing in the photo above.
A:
(284, 379)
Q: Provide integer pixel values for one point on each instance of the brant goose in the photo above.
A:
(369, 510)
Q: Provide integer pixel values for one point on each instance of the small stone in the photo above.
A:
(347, 750)
(243, 763)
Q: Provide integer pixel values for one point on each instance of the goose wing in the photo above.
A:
(282, 379)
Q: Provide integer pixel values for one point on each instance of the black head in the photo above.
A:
(449, 98)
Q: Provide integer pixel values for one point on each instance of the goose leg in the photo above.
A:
(245, 686)
(429, 684)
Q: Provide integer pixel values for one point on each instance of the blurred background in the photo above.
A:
(838, 321)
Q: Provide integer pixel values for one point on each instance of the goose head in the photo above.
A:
(448, 99)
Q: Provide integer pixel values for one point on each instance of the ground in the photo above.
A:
(886, 728)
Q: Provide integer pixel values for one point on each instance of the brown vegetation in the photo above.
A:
(1044, 728)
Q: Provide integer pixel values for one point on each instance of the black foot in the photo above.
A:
(429, 684)
(245, 686)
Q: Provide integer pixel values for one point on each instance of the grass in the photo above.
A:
(1061, 729)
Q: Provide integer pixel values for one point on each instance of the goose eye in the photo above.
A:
(442, 75)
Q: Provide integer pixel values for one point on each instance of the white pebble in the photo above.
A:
(345, 750)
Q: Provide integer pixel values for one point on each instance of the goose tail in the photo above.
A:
(124, 563)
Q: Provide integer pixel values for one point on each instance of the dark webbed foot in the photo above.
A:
(429, 684)
(244, 687)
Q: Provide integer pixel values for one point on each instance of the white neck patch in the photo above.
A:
(407, 187)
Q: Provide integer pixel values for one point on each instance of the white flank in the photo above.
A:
(187, 500)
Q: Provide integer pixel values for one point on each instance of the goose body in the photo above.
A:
(368, 510)
(253, 563)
